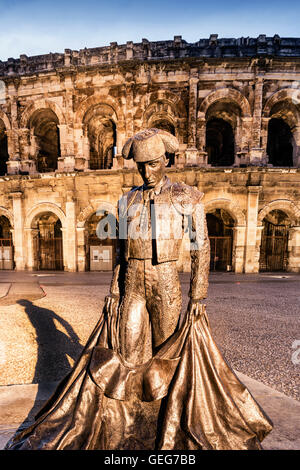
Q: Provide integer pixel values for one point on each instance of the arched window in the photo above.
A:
(219, 142)
(44, 127)
(102, 138)
(280, 143)
(3, 149)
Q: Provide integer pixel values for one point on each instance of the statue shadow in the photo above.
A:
(54, 347)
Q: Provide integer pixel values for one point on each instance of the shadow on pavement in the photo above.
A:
(54, 347)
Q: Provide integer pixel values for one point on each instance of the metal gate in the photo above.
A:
(50, 253)
(220, 253)
(273, 253)
(6, 254)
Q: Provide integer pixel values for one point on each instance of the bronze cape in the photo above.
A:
(185, 398)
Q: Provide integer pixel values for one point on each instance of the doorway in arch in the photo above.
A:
(48, 244)
(6, 244)
(220, 231)
(274, 242)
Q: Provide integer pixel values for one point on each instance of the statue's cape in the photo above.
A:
(185, 398)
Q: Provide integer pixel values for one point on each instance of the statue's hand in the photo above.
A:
(195, 308)
(110, 303)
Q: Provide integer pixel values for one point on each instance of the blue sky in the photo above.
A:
(35, 27)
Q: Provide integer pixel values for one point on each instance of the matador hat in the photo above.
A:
(149, 144)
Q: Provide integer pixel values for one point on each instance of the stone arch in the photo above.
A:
(285, 205)
(32, 107)
(5, 119)
(8, 214)
(149, 102)
(100, 129)
(92, 102)
(41, 208)
(281, 114)
(91, 209)
(292, 94)
(233, 209)
(277, 244)
(163, 105)
(226, 94)
(87, 241)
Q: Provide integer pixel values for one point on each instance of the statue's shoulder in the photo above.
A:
(184, 194)
(129, 197)
(133, 193)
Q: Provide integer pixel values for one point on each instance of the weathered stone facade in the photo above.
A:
(234, 105)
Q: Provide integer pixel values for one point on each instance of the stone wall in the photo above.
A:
(53, 107)
(246, 194)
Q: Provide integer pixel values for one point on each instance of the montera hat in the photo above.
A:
(149, 144)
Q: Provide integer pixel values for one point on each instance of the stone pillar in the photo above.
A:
(296, 152)
(81, 261)
(28, 150)
(259, 231)
(238, 251)
(251, 261)
(201, 139)
(31, 235)
(66, 161)
(81, 149)
(17, 199)
(13, 164)
(264, 136)
(294, 250)
(242, 154)
(257, 152)
(129, 124)
(191, 153)
(69, 236)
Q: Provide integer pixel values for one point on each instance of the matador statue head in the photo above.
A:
(149, 145)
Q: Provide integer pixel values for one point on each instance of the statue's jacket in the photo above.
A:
(176, 209)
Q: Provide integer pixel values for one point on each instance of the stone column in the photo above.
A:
(191, 153)
(81, 261)
(251, 260)
(201, 139)
(69, 236)
(296, 152)
(66, 161)
(259, 231)
(129, 124)
(81, 149)
(17, 199)
(238, 251)
(242, 155)
(264, 136)
(294, 250)
(13, 164)
(256, 151)
(31, 236)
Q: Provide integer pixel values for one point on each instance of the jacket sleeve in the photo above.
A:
(116, 278)
(200, 252)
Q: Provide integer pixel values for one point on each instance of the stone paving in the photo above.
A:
(254, 319)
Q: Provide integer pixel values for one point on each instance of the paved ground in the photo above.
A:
(254, 319)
